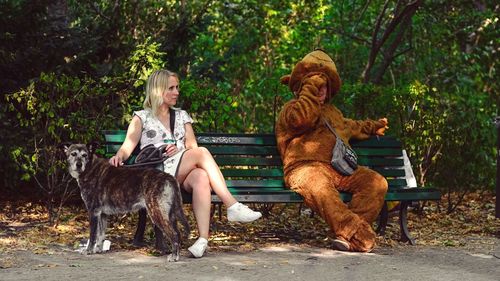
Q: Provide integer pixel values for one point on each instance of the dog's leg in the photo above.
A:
(93, 233)
(161, 243)
(141, 227)
(176, 241)
(177, 214)
(101, 232)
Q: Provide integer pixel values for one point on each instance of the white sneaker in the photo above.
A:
(241, 213)
(199, 247)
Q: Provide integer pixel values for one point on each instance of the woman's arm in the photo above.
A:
(190, 138)
(131, 140)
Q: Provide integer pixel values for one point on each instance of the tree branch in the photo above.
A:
(389, 54)
(401, 20)
(374, 48)
(361, 14)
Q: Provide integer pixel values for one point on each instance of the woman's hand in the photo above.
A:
(171, 149)
(116, 161)
(381, 130)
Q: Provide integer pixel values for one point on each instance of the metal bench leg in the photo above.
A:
(382, 221)
(403, 223)
(220, 211)
(216, 207)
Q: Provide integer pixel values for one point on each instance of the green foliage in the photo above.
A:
(70, 71)
(67, 108)
(443, 132)
(206, 101)
(144, 60)
(51, 110)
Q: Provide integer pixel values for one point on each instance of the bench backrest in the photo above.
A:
(251, 163)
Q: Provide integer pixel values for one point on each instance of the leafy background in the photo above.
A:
(69, 69)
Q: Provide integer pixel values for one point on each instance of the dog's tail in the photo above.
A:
(179, 212)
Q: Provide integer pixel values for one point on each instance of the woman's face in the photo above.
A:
(322, 94)
(171, 94)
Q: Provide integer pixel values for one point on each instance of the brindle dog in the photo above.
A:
(108, 190)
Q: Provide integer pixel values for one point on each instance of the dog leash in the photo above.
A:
(152, 155)
(149, 155)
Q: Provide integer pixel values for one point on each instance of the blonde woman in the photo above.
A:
(193, 166)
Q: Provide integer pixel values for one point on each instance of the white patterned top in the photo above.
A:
(154, 132)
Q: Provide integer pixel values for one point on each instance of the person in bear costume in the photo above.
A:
(305, 144)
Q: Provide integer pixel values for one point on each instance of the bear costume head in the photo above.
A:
(316, 62)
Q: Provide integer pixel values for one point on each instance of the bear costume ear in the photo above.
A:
(285, 79)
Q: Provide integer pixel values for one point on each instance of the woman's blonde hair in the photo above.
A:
(156, 85)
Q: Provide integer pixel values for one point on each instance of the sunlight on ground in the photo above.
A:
(134, 258)
(7, 241)
(67, 229)
(284, 229)
(483, 256)
(286, 248)
(319, 253)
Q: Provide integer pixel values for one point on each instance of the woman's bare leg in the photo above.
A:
(201, 158)
(198, 184)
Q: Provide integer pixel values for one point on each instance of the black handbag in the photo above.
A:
(344, 159)
(150, 155)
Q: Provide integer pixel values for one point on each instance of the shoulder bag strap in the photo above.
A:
(172, 120)
(331, 128)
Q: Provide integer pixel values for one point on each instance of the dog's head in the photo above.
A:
(78, 157)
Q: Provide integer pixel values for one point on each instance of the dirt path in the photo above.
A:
(281, 262)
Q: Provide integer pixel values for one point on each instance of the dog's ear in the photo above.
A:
(64, 146)
(92, 146)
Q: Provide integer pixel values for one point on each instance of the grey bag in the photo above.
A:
(344, 159)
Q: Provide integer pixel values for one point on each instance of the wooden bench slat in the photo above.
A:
(243, 150)
(397, 183)
(247, 161)
(112, 148)
(239, 139)
(269, 184)
(273, 185)
(264, 183)
(413, 194)
(114, 135)
(252, 196)
(392, 172)
(256, 161)
(255, 178)
(278, 186)
(276, 172)
(381, 141)
(372, 162)
(386, 152)
(290, 197)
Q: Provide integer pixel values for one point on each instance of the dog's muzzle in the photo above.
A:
(79, 166)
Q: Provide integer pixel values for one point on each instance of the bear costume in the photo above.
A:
(305, 144)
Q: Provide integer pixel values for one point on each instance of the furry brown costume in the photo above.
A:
(306, 144)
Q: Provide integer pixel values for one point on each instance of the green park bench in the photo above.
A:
(252, 167)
